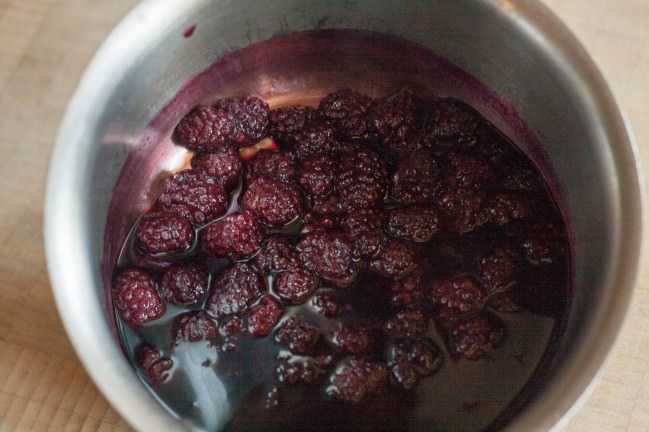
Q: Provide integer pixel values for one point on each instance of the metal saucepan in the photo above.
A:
(134, 91)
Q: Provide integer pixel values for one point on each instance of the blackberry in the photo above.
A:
(415, 179)
(409, 359)
(293, 369)
(403, 375)
(328, 205)
(420, 352)
(505, 207)
(297, 334)
(274, 203)
(224, 164)
(493, 148)
(522, 176)
(356, 379)
(348, 112)
(476, 337)
(318, 174)
(136, 297)
(500, 267)
(235, 236)
(395, 260)
(314, 222)
(330, 255)
(263, 316)
(464, 171)
(184, 283)
(230, 326)
(195, 194)
(276, 255)
(314, 138)
(362, 180)
(544, 242)
(351, 340)
(206, 129)
(234, 291)
(325, 303)
(295, 286)
(365, 226)
(193, 326)
(466, 209)
(286, 122)
(164, 232)
(408, 321)
(416, 223)
(250, 115)
(460, 294)
(451, 122)
(300, 369)
(271, 164)
(407, 290)
(395, 120)
(153, 365)
(395, 116)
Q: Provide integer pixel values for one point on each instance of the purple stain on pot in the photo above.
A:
(189, 31)
(301, 68)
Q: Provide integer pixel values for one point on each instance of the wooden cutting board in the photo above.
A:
(44, 47)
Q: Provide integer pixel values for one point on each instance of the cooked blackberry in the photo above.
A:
(194, 194)
(272, 202)
(224, 164)
(348, 112)
(250, 115)
(362, 181)
(206, 129)
(476, 337)
(313, 138)
(286, 122)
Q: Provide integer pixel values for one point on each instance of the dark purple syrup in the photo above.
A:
(216, 387)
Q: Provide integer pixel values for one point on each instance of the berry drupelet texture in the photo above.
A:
(330, 255)
(224, 164)
(153, 365)
(164, 232)
(234, 291)
(184, 283)
(273, 202)
(476, 337)
(286, 122)
(136, 297)
(251, 118)
(263, 316)
(277, 254)
(193, 193)
(206, 129)
(297, 334)
(295, 286)
(348, 112)
(274, 165)
(235, 236)
(193, 326)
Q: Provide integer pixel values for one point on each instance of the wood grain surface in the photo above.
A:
(44, 47)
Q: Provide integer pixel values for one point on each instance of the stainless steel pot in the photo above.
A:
(517, 48)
